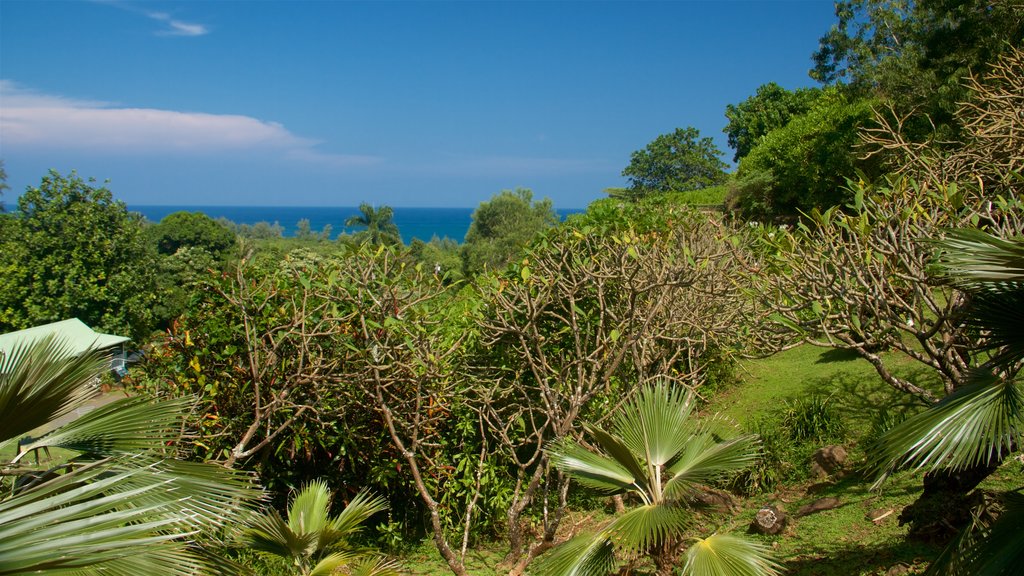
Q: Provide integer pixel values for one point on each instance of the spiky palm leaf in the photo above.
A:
(720, 554)
(656, 452)
(313, 540)
(981, 422)
(131, 511)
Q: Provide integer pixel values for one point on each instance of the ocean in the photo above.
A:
(422, 223)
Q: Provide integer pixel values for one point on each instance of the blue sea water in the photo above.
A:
(422, 223)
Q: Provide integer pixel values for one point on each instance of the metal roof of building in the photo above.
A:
(73, 332)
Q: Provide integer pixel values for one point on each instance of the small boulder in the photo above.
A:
(769, 520)
(828, 461)
(819, 505)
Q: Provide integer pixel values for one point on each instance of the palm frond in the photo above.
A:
(998, 314)
(111, 510)
(976, 425)
(642, 528)
(621, 453)
(269, 533)
(595, 471)
(656, 422)
(584, 555)
(728, 555)
(330, 563)
(41, 381)
(375, 566)
(976, 260)
(350, 521)
(705, 458)
(123, 426)
(309, 511)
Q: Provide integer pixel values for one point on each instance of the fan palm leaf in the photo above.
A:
(656, 452)
(726, 555)
(129, 509)
(313, 540)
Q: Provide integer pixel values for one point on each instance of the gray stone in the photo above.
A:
(769, 520)
(828, 461)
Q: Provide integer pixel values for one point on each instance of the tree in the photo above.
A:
(3, 185)
(379, 224)
(916, 53)
(502, 226)
(123, 504)
(804, 164)
(676, 162)
(70, 251)
(317, 543)
(623, 294)
(772, 107)
(655, 452)
(980, 424)
(192, 230)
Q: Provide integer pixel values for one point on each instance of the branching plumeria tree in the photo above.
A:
(123, 505)
(971, 431)
(587, 309)
(858, 277)
(656, 452)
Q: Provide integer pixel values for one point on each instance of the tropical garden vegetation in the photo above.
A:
(544, 394)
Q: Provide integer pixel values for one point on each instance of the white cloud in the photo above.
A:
(177, 27)
(29, 120)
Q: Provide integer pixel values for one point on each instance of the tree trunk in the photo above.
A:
(946, 503)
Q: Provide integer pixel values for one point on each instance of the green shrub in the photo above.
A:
(814, 419)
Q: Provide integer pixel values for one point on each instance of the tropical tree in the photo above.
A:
(974, 429)
(123, 505)
(317, 543)
(770, 108)
(502, 227)
(658, 454)
(679, 161)
(192, 230)
(70, 250)
(379, 224)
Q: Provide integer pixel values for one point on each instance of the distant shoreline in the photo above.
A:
(422, 223)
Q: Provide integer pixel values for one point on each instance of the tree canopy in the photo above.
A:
(193, 230)
(770, 108)
(502, 227)
(675, 162)
(379, 224)
(70, 250)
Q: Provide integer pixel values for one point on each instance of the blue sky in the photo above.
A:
(399, 103)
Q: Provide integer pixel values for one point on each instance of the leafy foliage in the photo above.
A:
(770, 108)
(675, 162)
(804, 164)
(191, 230)
(72, 251)
(502, 227)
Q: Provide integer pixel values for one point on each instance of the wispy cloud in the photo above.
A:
(171, 25)
(177, 27)
(29, 120)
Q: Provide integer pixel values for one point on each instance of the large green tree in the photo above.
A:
(916, 54)
(805, 163)
(192, 230)
(675, 162)
(770, 108)
(502, 227)
(71, 250)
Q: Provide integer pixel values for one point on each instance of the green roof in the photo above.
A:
(76, 335)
